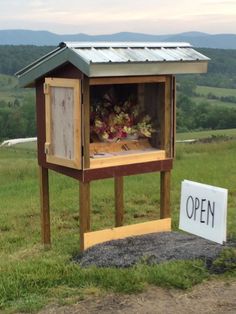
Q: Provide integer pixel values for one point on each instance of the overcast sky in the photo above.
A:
(107, 16)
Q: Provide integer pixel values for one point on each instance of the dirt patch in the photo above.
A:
(215, 296)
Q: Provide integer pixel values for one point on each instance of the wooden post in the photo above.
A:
(165, 195)
(84, 207)
(119, 201)
(45, 208)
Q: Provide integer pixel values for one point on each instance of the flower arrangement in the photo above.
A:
(112, 120)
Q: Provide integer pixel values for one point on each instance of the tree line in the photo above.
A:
(191, 116)
(17, 120)
(14, 58)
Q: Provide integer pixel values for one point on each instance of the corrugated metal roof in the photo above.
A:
(135, 52)
(119, 59)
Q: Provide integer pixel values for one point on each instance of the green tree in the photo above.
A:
(188, 87)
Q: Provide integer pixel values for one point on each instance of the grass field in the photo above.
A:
(219, 92)
(213, 102)
(31, 277)
(205, 90)
(207, 133)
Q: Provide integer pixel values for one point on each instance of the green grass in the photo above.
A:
(213, 102)
(31, 277)
(205, 90)
(204, 134)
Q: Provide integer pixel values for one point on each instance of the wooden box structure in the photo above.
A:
(92, 99)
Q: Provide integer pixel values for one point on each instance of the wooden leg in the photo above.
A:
(44, 204)
(84, 205)
(119, 201)
(165, 195)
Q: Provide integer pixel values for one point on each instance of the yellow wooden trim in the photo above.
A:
(61, 82)
(77, 124)
(132, 158)
(95, 237)
(126, 80)
(76, 85)
(48, 119)
(62, 162)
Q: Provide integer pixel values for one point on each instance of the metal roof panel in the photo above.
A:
(192, 54)
(112, 55)
(90, 55)
(164, 54)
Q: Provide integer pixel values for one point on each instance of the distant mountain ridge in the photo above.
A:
(45, 38)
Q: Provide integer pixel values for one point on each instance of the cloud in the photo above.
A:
(103, 16)
(36, 3)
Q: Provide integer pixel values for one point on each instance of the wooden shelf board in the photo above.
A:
(118, 146)
(126, 157)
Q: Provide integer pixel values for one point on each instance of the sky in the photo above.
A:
(107, 16)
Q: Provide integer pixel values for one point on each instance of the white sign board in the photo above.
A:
(203, 210)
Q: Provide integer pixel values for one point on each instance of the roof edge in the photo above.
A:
(37, 61)
(123, 44)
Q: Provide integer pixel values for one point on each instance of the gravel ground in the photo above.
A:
(151, 248)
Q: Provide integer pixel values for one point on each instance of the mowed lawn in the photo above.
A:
(31, 277)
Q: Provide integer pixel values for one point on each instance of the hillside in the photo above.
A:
(222, 67)
(40, 38)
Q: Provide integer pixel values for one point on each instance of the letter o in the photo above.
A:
(190, 199)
